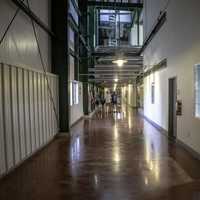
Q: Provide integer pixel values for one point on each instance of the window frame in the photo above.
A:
(74, 93)
(196, 66)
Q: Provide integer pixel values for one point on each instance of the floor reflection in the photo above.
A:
(114, 155)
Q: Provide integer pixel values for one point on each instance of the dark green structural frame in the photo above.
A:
(84, 53)
(60, 60)
(115, 5)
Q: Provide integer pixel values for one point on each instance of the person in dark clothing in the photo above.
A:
(103, 101)
(114, 98)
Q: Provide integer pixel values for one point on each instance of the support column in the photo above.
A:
(84, 61)
(60, 58)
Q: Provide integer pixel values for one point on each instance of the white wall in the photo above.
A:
(19, 47)
(179, 42)
(129, 95)
(27, 119)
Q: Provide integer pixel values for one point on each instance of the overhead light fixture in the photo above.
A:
(119, 62)
(116, 80)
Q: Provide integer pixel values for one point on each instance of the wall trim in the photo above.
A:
(32, 69)
(90, 115)
(159, 128)
(77, 121)
(194, 153)
(160, 66)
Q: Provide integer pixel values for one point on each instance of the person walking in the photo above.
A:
(102, 100)
(108, 101)
(114, 98)
(108, 98)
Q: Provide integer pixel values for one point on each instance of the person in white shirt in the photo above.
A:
(108, 101)
(108, 98)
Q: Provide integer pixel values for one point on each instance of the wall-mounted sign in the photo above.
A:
(179, 107)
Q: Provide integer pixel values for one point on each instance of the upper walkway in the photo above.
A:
(113, 156)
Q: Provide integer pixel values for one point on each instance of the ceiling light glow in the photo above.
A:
(120, 62)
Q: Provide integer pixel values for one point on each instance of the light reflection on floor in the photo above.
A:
(115, 155)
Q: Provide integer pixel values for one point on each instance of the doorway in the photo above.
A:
(172, 128)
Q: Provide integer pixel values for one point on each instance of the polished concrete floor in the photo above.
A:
(112, 156)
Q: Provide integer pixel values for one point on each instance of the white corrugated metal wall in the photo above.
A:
(27, 117)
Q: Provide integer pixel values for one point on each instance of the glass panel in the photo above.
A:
(74, 93)
(119, 28)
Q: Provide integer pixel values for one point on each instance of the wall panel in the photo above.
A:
(56, 96)
(47, 109)
(50, 109)
(2, 137)
(43, 110)
(40, 111)
(36, 106)
(26, 112)
(19, 45)
(20, 99)
(32, 112)
(27, 119)
(7, 117)
(14, 116)
(57, 104)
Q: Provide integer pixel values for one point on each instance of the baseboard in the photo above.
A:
(77, 121)
(92, 113)
(194, 153)
(28, 157)
(159, 128)
(63, 134)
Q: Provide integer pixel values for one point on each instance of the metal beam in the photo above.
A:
(76, 7)
(118, 68)
(160, 21)
(138, 58)
(112, 80)
(115, 5)
(60, 59)
(103, 54)
(115, 71)
(75, 27)
(110, 74)
(33, 16)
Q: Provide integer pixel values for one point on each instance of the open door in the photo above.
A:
(172, 129)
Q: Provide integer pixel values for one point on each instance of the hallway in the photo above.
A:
(112, 156)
